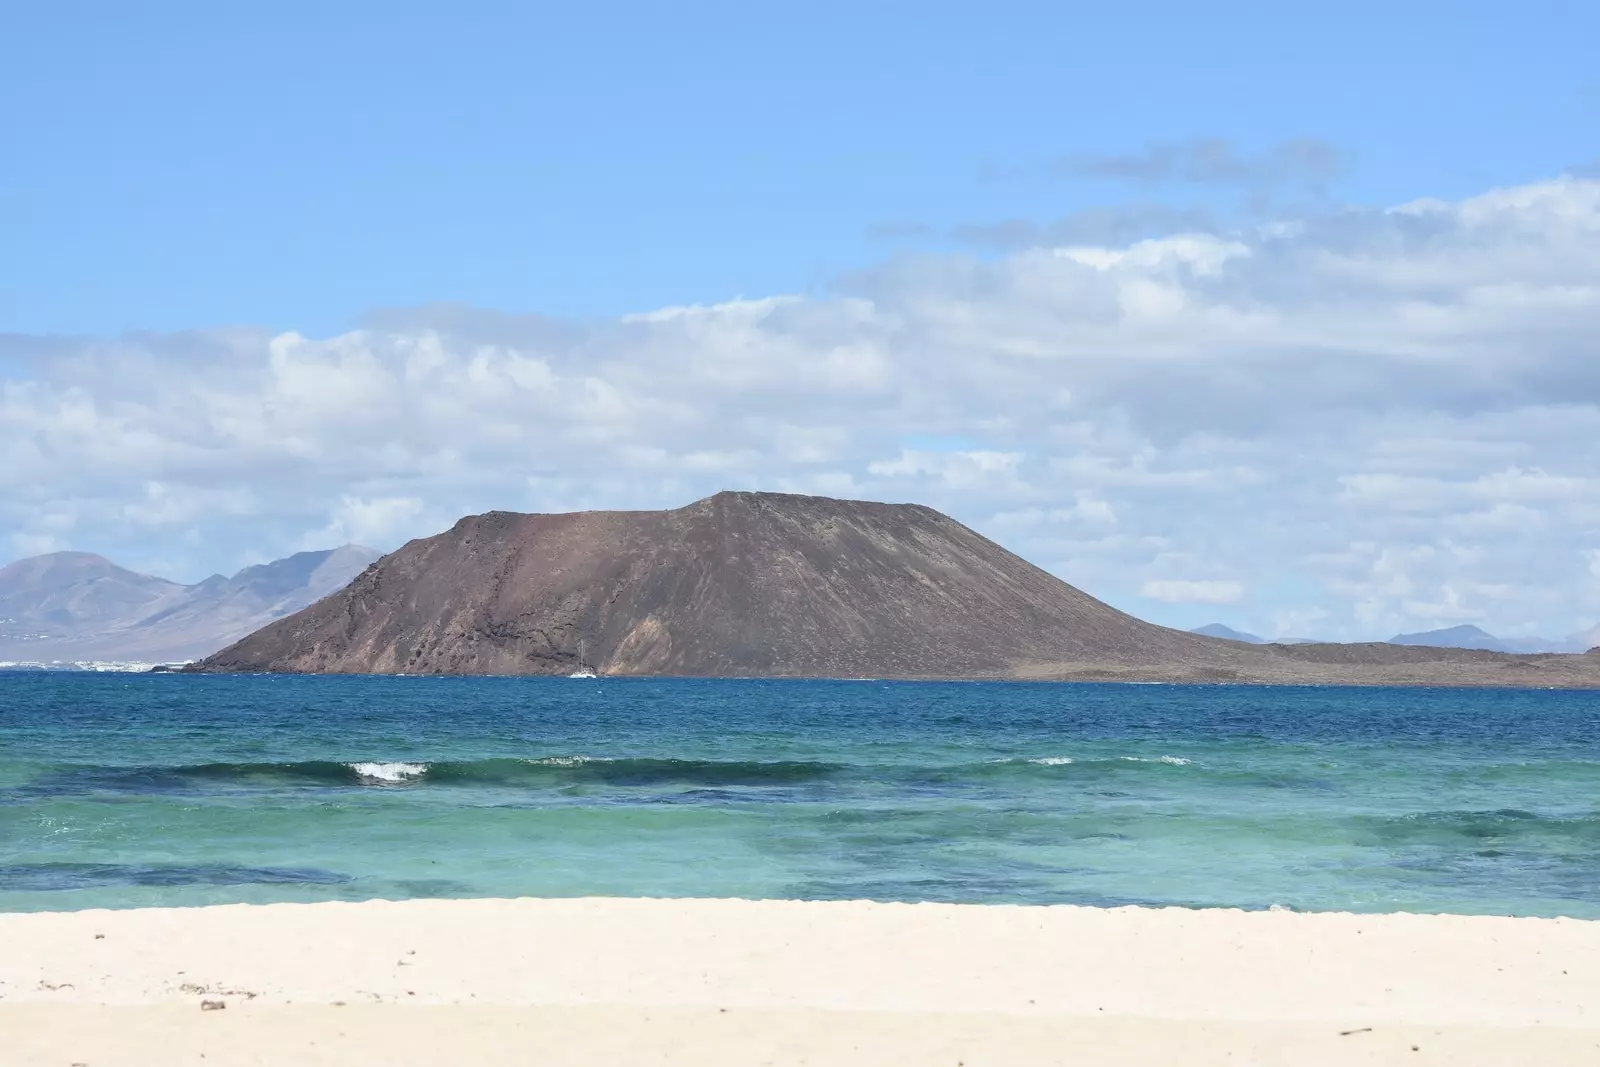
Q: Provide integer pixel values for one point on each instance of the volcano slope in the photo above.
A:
(775, 585)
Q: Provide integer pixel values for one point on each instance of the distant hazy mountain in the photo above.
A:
(79, 606)
(1228, 633)
(1588, 639)
(65, 594)
(1451, 637)
(1476, 637)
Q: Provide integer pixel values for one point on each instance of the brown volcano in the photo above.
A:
(765, 584)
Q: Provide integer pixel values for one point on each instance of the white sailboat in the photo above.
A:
(582, 671)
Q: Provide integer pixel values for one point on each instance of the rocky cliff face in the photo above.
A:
(747, 584)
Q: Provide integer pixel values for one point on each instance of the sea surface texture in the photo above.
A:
(135, 790)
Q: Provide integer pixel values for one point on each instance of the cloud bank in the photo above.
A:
(1214, 161)
(1365, 422)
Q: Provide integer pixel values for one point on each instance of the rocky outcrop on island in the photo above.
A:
(774, 585)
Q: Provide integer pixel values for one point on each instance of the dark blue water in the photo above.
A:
(122, 790)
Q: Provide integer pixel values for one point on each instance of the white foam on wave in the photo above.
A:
(392, 773)
(1061, 761)
(94, 665)
(565, 761)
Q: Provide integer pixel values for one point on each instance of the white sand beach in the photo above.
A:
(724, 982)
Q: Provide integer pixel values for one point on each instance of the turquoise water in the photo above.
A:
(126, 790)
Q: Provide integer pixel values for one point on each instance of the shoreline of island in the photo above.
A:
(1575, 681)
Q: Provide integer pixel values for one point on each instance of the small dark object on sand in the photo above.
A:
(213, 1005)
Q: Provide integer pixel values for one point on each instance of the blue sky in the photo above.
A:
(172, 166)
(1147, 294)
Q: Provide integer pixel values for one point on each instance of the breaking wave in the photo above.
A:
(546, 771)
(388, 772)
(95, 666)
(556, 771)
(1088, 762)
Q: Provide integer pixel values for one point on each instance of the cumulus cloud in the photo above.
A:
(1376, 420)
(1181, 591)
(378, 521)
(1100, 226)
(1214, 161)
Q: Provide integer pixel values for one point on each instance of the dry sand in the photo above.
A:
(735, 982)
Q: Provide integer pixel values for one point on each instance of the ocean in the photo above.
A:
(121, 790)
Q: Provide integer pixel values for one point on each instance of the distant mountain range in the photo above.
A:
(1470, 637)
(77, 606)
(1228, 633)
(1474, 637)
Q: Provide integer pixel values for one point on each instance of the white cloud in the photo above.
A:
(1180, 591)
(379, 521)
(162, 505)
(31, 544)
(1377, 420)
(1448, 608)
(990, 472)
(1298, 622)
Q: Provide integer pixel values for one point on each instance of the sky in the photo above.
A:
(1281, 318)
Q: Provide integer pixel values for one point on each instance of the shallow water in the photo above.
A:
(125, 790)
